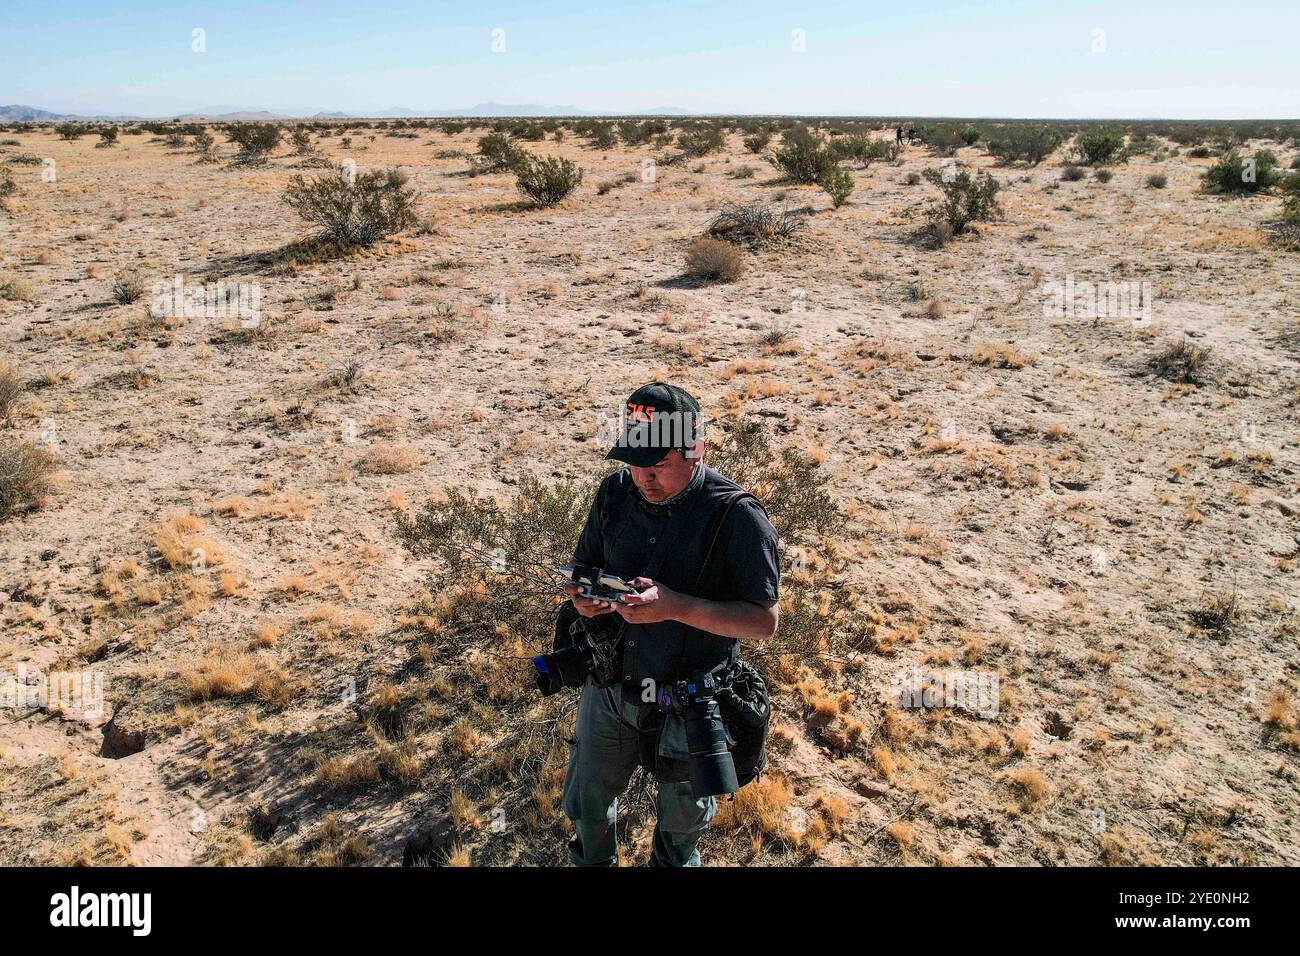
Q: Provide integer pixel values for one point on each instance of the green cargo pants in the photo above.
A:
(602, 757)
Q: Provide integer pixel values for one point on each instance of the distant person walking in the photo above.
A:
(898, 135)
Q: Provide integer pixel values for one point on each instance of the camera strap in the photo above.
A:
(715, 531)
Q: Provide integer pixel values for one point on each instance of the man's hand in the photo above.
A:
(585, 606)
(653, 604)
(744, 620)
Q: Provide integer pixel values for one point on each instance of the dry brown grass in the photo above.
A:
(715, 260)
(26, 476)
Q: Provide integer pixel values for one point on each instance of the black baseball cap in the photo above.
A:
(656, 419)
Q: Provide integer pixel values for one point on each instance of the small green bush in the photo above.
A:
(1236, 174)
(700, 142)
(1100, 146)
(802, 155)
(546, 181)
(360, 212)
(497, 151)
(838, 183)
(965, 199)
(1024, 143)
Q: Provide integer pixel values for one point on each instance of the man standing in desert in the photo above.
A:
(698, 600)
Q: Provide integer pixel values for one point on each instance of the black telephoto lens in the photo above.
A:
(713, 772)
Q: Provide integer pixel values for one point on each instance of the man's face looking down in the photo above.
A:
(660, 482)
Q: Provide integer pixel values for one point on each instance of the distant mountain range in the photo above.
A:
(19, 114)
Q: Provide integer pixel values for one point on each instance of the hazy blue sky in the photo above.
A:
(1192, 58)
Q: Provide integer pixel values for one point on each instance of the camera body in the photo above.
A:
(712, 770)
(583, 647)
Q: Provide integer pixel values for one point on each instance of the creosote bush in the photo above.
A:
(803, 155)
(1237, 174)
(1024, 143)
(497, 151)
(255, 141)
(700, 142)
(714, 259)
(547, 180)
(965, 199)
(838, 184)
(1099, 146)
(360, 212)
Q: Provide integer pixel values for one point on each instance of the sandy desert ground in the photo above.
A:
(1024, 498)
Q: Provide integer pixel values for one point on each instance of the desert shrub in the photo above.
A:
(636, 134)
(1103, 175)
(546, 181)
(26, 476)
(969, 134)
(754, 224)
(361, 212)
(912, 178)
(1099, 146)
(301, 140)
(1286, 231)
(1143, 145)
(1157, 181)
(24, 159)
(10, 388)
(942, 139)
(528, 132)
(965, 199)
(601, 136)
(758, 141)
(714, 259)
(15, 289)
(802, 155)
(127, 288)
(69, 130)
(1024, 143)
(497, 151)
(1199, 152)
(838, 184)
(256, 141)
(7, 185)
(205, 147)
(1072, 174)
(862, 149)
(107, 136)
(700, 141)
(1235, 173)
(1181, 361)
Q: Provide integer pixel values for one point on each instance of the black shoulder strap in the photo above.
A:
(715, 529)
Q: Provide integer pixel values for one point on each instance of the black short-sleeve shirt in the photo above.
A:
(627, 537)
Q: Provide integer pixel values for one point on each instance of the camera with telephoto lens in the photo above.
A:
(583, 647)
(712, 771)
